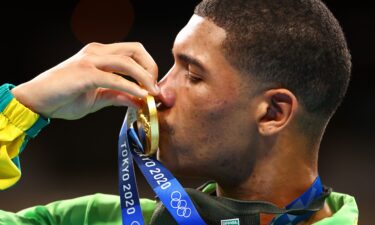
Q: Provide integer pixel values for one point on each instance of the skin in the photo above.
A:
(204, 121)
(86, 82)
(214, 121)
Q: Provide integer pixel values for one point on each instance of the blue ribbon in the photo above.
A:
(130, 207)
(164, 184)
(315, 191)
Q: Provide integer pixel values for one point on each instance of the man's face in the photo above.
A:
(206, 121)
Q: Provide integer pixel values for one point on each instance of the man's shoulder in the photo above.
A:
(337, 201)
(344, 209)
(343, 206)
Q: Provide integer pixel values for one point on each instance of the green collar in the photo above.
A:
(343, 206)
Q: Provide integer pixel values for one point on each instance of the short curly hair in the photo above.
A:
(293, 44)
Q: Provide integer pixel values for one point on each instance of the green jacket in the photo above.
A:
(18, 124)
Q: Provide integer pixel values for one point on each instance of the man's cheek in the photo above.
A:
(218, 108)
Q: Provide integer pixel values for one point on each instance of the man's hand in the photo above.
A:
(90, 80)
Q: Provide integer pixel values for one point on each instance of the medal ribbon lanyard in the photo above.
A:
(163, 183)
(314, 192)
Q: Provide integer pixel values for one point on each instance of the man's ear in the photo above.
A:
(275, 110)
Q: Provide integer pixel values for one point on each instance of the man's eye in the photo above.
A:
(193, 78)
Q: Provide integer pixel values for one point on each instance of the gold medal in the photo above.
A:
(148, 127)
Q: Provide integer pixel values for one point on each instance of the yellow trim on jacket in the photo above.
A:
(16, 121)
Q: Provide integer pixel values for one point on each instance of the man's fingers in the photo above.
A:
(108, 97)
(135, 50)
(115, 82)
(126, 66)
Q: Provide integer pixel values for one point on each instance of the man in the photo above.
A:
(245, 104)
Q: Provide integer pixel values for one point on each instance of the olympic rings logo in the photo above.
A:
(181, 205)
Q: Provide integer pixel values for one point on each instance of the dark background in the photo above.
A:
(73, 158)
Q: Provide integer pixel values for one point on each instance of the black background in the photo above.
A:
(73, 158)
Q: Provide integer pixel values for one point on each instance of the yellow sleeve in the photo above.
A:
(17, 125)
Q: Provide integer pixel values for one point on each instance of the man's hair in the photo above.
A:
(292, 44)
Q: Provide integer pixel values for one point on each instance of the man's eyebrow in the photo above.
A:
(192, 61)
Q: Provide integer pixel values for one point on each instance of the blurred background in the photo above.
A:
(74, 158)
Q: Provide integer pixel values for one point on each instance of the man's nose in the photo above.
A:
(167, 96)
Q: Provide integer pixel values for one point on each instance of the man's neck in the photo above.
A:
(272, 187)
(278, 178)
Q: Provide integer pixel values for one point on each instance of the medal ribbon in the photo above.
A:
(314, 192)
(163, 183)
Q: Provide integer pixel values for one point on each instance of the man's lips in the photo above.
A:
(160, 109)
(160, 105)
(163, 111)
(165, 100)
